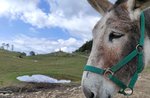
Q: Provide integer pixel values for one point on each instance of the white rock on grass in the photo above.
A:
(40, 79)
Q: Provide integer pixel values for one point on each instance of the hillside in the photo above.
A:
(86, 48)
(58, 65)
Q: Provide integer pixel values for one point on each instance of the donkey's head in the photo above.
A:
(114, 37)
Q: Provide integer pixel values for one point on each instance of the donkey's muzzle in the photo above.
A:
(88, 93)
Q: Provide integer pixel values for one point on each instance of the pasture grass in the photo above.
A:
(57, 65)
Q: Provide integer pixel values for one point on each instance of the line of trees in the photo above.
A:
(10, 47)
(7, 46)
(86, 47)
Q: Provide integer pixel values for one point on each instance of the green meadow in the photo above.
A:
(58, 65)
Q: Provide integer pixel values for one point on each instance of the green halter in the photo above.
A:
(110, 71)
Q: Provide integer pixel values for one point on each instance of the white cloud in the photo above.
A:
(76, 17)
(42, 45)
(15, 9)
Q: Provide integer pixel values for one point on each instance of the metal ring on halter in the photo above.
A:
(139, 48)
(108, 72)
(128, 91)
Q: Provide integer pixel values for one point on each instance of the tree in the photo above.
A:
(12, 47)
(3, 45)
(32, 53)
(7, 46)
(85, 47)
(21, 55)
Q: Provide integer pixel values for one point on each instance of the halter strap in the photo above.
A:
(110, 71)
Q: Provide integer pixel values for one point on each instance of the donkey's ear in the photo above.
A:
(102, 6)
(138, 4)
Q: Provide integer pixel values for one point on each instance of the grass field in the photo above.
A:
(58, 65)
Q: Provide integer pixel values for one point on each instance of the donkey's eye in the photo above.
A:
(115, 35)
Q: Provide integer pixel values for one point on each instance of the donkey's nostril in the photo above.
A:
(109, 96)
(88, 93)
(92, 95)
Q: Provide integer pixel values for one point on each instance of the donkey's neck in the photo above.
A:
(147, 19)
(147, 39)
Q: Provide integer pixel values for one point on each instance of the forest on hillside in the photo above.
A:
(86, 47)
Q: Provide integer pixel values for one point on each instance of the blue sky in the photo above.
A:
(45, 26)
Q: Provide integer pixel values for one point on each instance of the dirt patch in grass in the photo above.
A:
(33, 90)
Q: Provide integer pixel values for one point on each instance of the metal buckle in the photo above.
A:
(128, 91)
(139, 48)
(108, 72)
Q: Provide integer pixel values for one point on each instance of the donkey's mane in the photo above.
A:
(147, 19)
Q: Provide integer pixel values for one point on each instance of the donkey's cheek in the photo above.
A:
(117, 49)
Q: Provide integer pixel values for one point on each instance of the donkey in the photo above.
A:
(114, 37)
